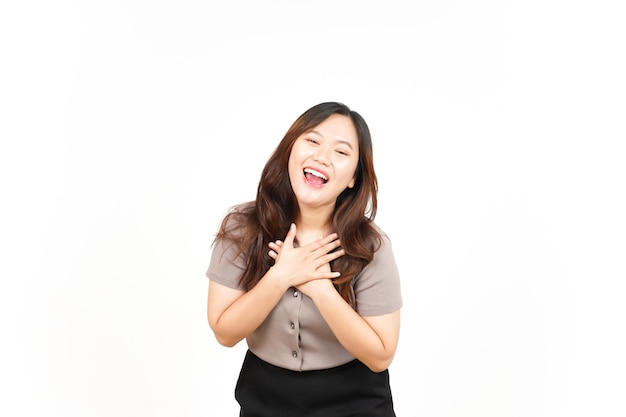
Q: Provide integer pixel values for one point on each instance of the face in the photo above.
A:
(323, 162)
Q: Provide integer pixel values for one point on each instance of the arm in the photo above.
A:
(229, 310)
(372, 340)
(234, 314)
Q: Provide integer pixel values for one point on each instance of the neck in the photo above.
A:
(313, 224)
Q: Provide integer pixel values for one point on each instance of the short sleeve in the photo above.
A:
(377, 288)
(225, 266)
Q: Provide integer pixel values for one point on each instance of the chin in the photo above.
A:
(312, 203)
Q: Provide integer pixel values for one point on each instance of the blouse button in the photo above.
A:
(294, 354)
(295, 293)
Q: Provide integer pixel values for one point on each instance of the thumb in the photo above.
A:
(291, 235)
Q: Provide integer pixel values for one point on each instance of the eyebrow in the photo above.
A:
(340, 140)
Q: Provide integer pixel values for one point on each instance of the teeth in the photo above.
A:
(317, 174)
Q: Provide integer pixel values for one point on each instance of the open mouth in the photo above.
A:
(314, 177)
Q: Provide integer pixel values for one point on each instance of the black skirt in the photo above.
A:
(350, 390)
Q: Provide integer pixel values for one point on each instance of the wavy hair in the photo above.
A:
(252, 225)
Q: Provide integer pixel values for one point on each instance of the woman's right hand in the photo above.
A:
(305, 263)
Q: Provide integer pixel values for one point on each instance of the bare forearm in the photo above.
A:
(354, 332)
(247, 312)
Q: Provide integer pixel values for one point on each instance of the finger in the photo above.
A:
(272, 254)
(291, 235)
(273, 245)
(331, 256)
(327, 248)
(333, 237)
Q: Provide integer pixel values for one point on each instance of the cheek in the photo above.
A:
(295, 159)
(347, 168)
(291, 167)
(298, 155)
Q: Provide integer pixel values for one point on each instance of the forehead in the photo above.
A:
(337, 127)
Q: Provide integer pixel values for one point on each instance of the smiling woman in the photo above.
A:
(323, 163)
(306, 277)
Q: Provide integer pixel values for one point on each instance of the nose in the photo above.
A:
(322, 155)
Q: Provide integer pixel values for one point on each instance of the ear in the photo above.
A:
(351, 184)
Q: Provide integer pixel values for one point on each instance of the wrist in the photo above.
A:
(322, 291)
(272, 276)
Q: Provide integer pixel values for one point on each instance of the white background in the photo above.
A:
(129, 127)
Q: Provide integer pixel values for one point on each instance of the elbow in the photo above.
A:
(227, 342)
(223, 339)
(379, 364)
(378, 367)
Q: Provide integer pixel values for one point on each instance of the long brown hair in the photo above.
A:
(251, 226)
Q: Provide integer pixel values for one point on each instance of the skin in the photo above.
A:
(330, 149)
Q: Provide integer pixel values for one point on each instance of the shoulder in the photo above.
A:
(379, 229)
(377, 287)
(236, 220)
(385, 240)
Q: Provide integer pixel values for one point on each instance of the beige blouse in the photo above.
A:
(294, 335)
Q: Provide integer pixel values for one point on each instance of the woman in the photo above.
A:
(308, 279)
